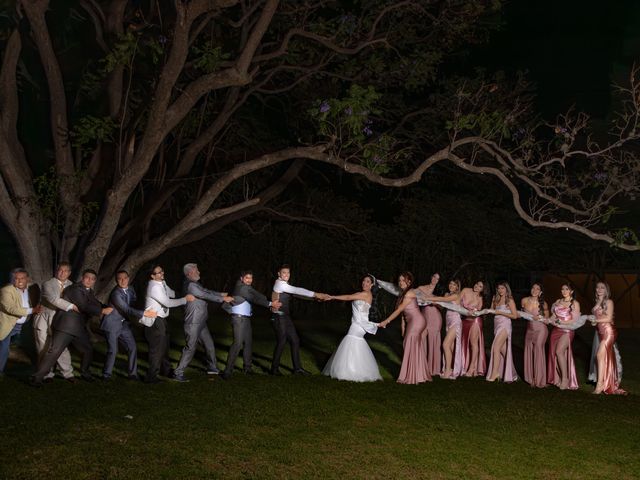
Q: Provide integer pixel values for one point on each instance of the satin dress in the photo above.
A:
(455, 322)
(607, 335)
(564, 314)
(506, 369)
(467, 324)
(535, 362)
(414, 360)
(433, 318)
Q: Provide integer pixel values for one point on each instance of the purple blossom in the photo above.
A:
(600, 177)
(627, 235)
(162, 39)
(367, 131)
(348, 111)
(377, 160)
(325, 107)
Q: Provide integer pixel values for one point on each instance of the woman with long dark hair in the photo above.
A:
(414, 360)
(501, 360)
(561, 369)
(433, 318)
(535, 364)
(475, 361)
(353, 360)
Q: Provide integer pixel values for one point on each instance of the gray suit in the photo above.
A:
(116, 327)
(196, 314)
(52, 301)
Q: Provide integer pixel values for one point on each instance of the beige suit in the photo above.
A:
(51, 302)
(11, 309)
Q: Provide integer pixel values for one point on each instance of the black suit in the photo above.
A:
(70, 327)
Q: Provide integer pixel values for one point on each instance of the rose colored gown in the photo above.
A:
(467, 324)
(506, 369)
(414, 361)
(535, 365)
(607, 335)
(553, 370)
(433, 317)
(454, 321)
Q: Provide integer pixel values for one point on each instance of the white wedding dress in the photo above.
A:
(354, 360)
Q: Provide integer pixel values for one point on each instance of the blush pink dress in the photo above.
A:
(553, 370)
(414, 360)
(535, 364)
(467, 324)
(433, 318)
(607, 335)
(506, 369)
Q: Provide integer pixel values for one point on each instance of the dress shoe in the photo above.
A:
(71, 379)
(133, 378)
(226, 376)
(106, 378)
(249, 371)
(301, 371)
(48, 380)
(87, 378)
(180, 378)
(275, 372)
(213, 371)
(34, 382)
(152, 381)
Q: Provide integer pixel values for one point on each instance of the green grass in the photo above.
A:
(314, 427)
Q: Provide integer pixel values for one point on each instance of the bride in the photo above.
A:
(354, 360)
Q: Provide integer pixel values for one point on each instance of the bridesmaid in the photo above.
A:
(452, 343)
(608, 381)
(414, 360)
(501, 360)
(433, 317)
(475, 363)
(561, 369)
(535, 365)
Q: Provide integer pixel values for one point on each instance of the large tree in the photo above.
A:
(169, 120)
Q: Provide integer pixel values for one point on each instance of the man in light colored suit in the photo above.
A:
(14, 311)
(196, 314)
(52, 301)
(160, 298)
(116, 325)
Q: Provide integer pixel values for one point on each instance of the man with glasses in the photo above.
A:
(160, 298)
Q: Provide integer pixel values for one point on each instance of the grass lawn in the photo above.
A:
(314, 427)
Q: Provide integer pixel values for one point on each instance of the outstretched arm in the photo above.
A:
(408, 298)
(350, 297)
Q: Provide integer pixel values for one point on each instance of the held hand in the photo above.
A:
(189, 298)
(107, 310)
(226, 298)
(150, 313)
(75, 309)
(276, 304)
(322, 297)
(37, 309)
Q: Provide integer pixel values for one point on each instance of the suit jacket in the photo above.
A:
(249, 294)
(121, 302)
(72, 322)
(51, 299)
(11, 309)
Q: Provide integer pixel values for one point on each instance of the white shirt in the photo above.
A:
(160, 297)
(283, 287)
(25, 303)
(243, 309)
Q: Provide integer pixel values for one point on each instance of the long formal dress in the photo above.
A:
(506, 369)
(455, 322)
(607, 335)
(354, 360)
(553, 370)
(481, 362)
(535, 364)
(433, 318)
(414, 360)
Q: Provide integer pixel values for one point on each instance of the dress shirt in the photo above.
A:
(25, 303)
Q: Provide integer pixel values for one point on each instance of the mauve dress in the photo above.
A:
(433, 317)
(506, 369)
(607, 334)
(467, 324)
(414, 360)
(535, 364)
(454, 321)
(553, 371)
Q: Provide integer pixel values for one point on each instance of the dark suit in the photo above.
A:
(242, 332)
(116, 327)
(71, 328)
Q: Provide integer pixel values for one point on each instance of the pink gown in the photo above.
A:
(454, 321)
(467, 324)
(535, 365)
(506, 369)
(607, 334)
(553, 370)
(414, 360)
(433, 317)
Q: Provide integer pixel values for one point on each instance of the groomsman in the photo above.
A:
(160, 298)
(283, 325)
(116, 325)
(70, 327)
(52, 301)
(241, 322)
(196, 314)
(14, 312)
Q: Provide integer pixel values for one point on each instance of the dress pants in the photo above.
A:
(60, 341)
(6, 344)
(242, 335)
(285, 332)
(125, 336)
(158, 337)
(194, 333)
(42, 337)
